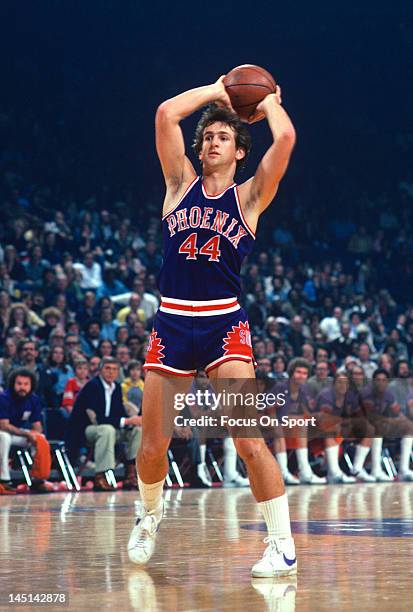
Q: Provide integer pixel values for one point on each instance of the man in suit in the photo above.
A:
(99, 418)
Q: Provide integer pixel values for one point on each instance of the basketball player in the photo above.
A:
(208, 228)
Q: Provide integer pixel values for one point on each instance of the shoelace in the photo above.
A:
(272, 545)
(146, 530)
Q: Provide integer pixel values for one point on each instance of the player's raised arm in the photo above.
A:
(176, 167)
(259, 192)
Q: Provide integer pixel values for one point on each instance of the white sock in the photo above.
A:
(202, 452)
(405, 450)
(230, 459)
(360, 457)
(277, 516)
(282, 462)
(332, 460)
(302, 460)
(376, 455)
(151, 496)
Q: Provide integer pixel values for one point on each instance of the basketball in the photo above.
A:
(246, 86)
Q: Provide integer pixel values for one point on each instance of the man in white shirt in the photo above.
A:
(91, 272)
(330, 326)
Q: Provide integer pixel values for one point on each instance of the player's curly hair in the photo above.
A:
(215, 113)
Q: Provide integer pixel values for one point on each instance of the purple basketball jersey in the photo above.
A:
(205, 240)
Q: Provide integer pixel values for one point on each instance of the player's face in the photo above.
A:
(219, 146)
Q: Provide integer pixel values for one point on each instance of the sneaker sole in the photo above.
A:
(289, 572)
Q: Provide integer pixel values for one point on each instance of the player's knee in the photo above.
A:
(249, 449)
(152, 451)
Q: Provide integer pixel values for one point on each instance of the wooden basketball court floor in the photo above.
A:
(354, 545)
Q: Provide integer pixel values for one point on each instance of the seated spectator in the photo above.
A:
(342, 346)
(57, 338)
(320, 380)
(386, 362)
(135, 346)
(7, 361)
(105, 348)
(132, 388)
(295, 336)
(123, 357)
(19, 317)
(51, 249)
(367, 364)
(89, 340)
(34, 268)
(51, 316)
(122, 335)
(384, 414)
(338, 408)
(109, 325)
(27, 355)
(297, 403)
(53, 376)
(71, 346)
(90, 271)
(14, 268)
(331, 325)
(94, 366)
(149, 302)
(88, 310)
(21, 425)
(75, 384)
(279, 368)
(34, 320)
(264, 365)
(99, 418)
(307, 352)
(134, 306)
(111, 285)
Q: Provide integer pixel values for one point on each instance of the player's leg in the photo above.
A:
(267, 487)
(152, 460)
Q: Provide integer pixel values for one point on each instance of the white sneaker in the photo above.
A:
(204, 475)
(279, 559)
(364, 476)
(340, 478)
(311, 478)
(142, 539)
(381, 476)
(290, 479)
(237, 481)
(406, 476)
